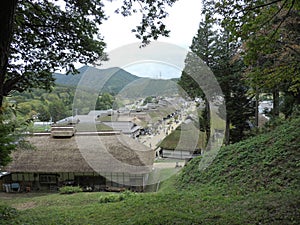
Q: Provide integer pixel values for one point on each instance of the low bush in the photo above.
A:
(70, 189)
(7, 212)
(116, 197)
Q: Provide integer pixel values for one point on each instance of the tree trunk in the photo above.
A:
(208, 117)
(256, 107)
(227, 132)
(275, 102)
(7, 15)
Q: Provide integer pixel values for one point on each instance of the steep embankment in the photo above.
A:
(270, 161)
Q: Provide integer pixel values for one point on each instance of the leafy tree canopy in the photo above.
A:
(269, 31)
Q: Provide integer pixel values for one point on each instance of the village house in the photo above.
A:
(93, 160)
(126, 127)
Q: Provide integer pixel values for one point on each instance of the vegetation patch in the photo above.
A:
(115, 197)
(85, 127)
(7, 212)
(70, 189)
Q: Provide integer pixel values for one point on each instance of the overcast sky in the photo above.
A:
(183, 21)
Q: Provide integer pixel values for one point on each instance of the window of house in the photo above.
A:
(48, 178)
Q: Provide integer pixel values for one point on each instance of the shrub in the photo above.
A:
(116, 197)
(110, 198)
(70, 189)
(7, 212)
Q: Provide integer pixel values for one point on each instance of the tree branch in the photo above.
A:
(284, 18)
(260, 6)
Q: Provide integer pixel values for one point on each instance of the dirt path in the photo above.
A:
(161, 165)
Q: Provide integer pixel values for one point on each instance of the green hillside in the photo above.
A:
(111, 80)
(270, 161)
(117, 81)
(144, 87)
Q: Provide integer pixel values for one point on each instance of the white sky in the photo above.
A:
(183, 21)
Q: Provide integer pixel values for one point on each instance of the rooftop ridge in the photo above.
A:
(84, 133)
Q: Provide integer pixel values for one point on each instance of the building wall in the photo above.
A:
(46, 181)
(176, 154)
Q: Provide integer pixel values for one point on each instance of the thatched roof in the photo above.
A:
(127, 127)
(187, 137)
(83, 153)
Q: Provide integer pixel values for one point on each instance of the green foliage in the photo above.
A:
(6, 141)
(40, 105)
(7, 212)
(151, 25)
(11, 130)
(116, 197)
(269, 32)
(105, 101)
(147, 100)
(70, 189)
(58, 104)
(117, 79)
(40, 24)
(189, 87)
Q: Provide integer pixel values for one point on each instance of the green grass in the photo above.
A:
(39, 128)
(207, 205)
(252, 182)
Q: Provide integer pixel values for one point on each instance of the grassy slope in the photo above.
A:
(267, 162)
(252, 182)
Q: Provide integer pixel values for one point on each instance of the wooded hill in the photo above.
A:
(115, 78)
(117, 81)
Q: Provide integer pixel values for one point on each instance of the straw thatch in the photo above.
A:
(83, 153)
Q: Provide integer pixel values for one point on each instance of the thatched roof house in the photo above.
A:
(115, 158)
(126, 127)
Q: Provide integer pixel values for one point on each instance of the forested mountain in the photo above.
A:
(144, 87)
(114, 79)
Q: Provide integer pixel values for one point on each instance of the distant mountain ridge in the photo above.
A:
(108, 80)
(144, 87)
(117, 81)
